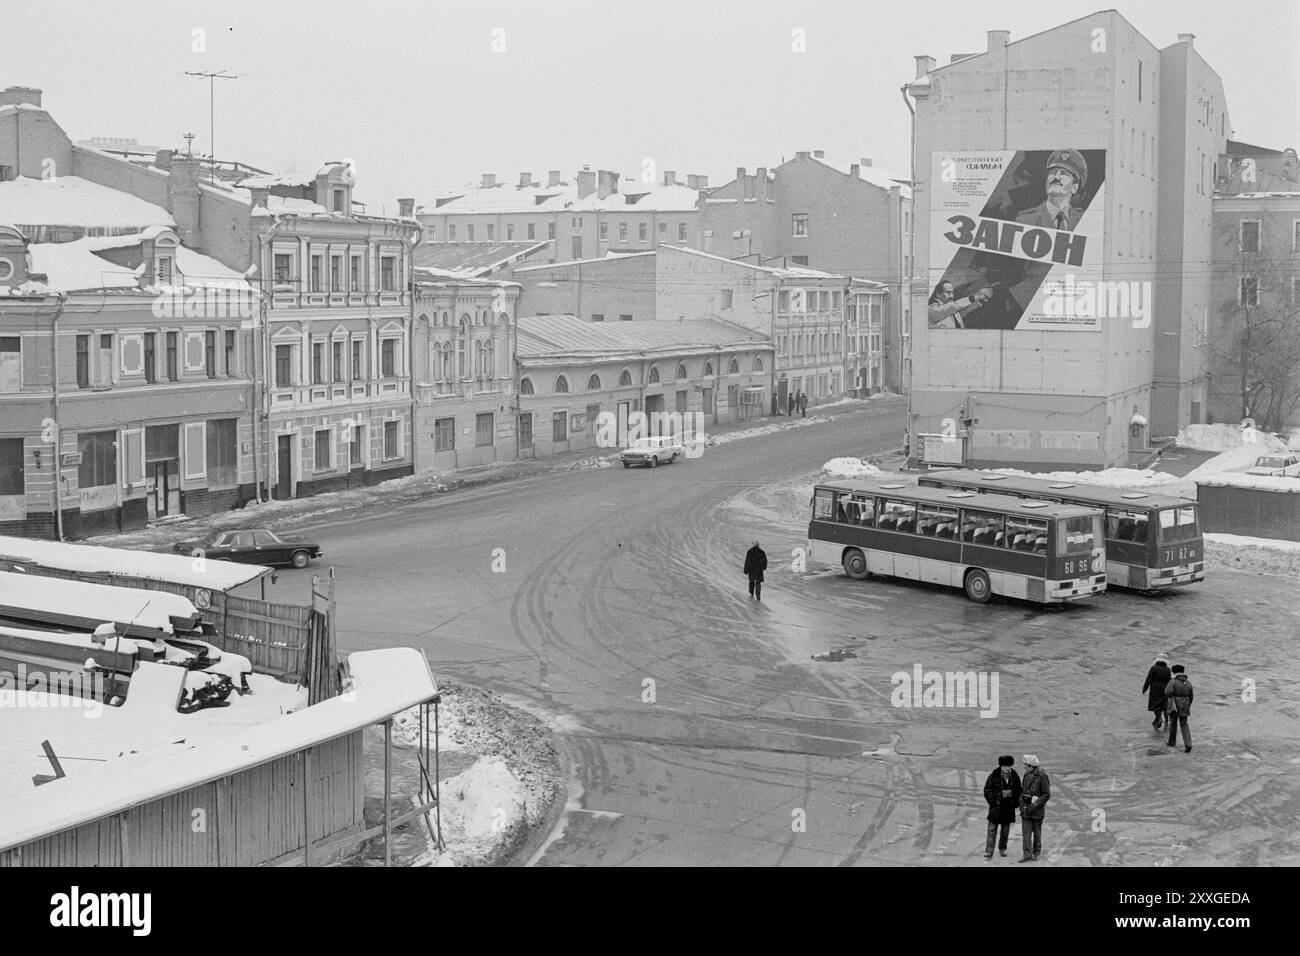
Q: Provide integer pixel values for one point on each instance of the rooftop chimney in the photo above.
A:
(525, 180)
(489, 180)
(998, 39)
(853, 170)
(406, 208)
(260, 195)
(586, 183)
(164, 159)
(864, 161)
(803, 154)
(819, 154)
(1182, 38)
(16, 95)
(924, 64)
(553, 177)
(607, 184)
(696, 181)
(670, 177)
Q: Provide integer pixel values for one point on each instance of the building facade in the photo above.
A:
(581, 384)
(126, 391)
(1071, 346)
(848, 219)
(585, 217)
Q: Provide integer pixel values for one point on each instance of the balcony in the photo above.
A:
(289, 297)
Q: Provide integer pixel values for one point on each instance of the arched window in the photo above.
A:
(489, 359)
(654, 374)
(624, 378)
(444, 360)
(561, 384)
(593, 383)
(525, 386)
(708, 369)
(681, 370)
(733, 368)
(463, 357)
(758, 364)
(425, 318)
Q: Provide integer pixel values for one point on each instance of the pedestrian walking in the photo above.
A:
(1178, 707)
(1002, 791)
(755, 565)
(1035, 791)
(803, 405)
(1154, 687)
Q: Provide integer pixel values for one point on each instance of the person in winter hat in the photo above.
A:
(1002, 791)
(1154, 687)
(1178, 707)
(1035, 791)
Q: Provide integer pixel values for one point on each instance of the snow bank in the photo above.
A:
(406, 726)
(583, 464)
(1254, 482)
(481, 809)
(712, 440)
(1243, 541)
(1108, 478)
(1225, 437)
(1233, 460)
(851, 469)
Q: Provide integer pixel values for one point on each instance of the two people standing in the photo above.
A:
(1169, 697)
(1004, 790)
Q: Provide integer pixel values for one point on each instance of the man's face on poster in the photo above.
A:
(1061, 185)
(945, 292)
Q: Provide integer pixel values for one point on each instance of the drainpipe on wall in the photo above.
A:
(264, 310)
(905, 346)
(56, 464)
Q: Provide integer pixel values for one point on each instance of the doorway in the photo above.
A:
(284, 467)
(164, 499)
(622, 413)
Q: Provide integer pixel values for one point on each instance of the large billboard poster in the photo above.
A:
(1016, 239)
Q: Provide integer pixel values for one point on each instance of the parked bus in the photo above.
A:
(1153, 541)
(985, 544)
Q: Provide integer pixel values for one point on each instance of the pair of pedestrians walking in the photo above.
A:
(1005, 792)
(1169, 697)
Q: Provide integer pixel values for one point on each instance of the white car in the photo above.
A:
(652, 451)
(1278, 466)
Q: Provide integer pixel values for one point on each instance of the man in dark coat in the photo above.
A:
(1157, 677)
(1035, 791)
(803, 405)
(755, 565)
(792, 400)
(1002, 791)
(1178, 706)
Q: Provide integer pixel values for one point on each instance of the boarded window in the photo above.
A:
(11, 363)
(11, 466)
(98, 459)
(223, 452)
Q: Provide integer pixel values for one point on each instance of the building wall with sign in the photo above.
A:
(1065, 398)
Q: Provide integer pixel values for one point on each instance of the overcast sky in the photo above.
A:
(413, 92)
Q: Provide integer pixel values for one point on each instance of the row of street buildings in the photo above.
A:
(180, 335)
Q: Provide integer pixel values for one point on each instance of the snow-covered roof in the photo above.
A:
(787, 272)
(883, 178)
(583, 262)
(469, 260)
(550, 336)
(72, 266)
(73, 201)
(1252, 482)
(88, 559)
(385, 682)
(507, 198)
(641, 197)
(25, 591)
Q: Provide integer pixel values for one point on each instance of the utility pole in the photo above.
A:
(212, 77)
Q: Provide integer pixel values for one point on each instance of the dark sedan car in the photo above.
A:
(251, 546)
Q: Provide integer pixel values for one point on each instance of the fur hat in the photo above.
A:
(1006, 761)
(1161, 659)
(1031, 760)
(1178, 669)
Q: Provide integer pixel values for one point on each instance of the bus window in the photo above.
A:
(897, 515)
(1026, 534)
(980, 527)
(860, 510)
(935, 522)
(1078, 535)
(823, 504)
(1178, 524)
(1121, 524)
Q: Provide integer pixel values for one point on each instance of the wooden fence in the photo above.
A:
(1255, 512)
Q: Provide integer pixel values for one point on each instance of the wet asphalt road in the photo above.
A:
(698, 729)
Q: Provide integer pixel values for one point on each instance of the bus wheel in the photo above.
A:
(855, 564)
(978, 588)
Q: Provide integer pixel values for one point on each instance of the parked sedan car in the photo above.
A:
(252, 546)
(1279, 466)
(652, 451)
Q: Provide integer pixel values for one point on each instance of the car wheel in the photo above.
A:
(300, 559)
(855, 564)
(654, 461)
(977, 585)
(627, 464)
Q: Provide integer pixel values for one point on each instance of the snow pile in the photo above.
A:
(451, 729)
(1253, 482)
(1108, 478)
(1139, 420)
(482, 809)
(755, 432)
(1234, 459)
(1242, 541)
(850, 468)
(1227, 437)
(583, 464)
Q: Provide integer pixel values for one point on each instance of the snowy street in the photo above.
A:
(698, 728)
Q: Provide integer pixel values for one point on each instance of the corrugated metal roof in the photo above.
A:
(472, 259)
(550, 335)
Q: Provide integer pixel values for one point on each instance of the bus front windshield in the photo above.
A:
(1078, 535)
(1178, 524)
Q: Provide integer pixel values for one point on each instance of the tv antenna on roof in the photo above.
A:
(212, 77)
